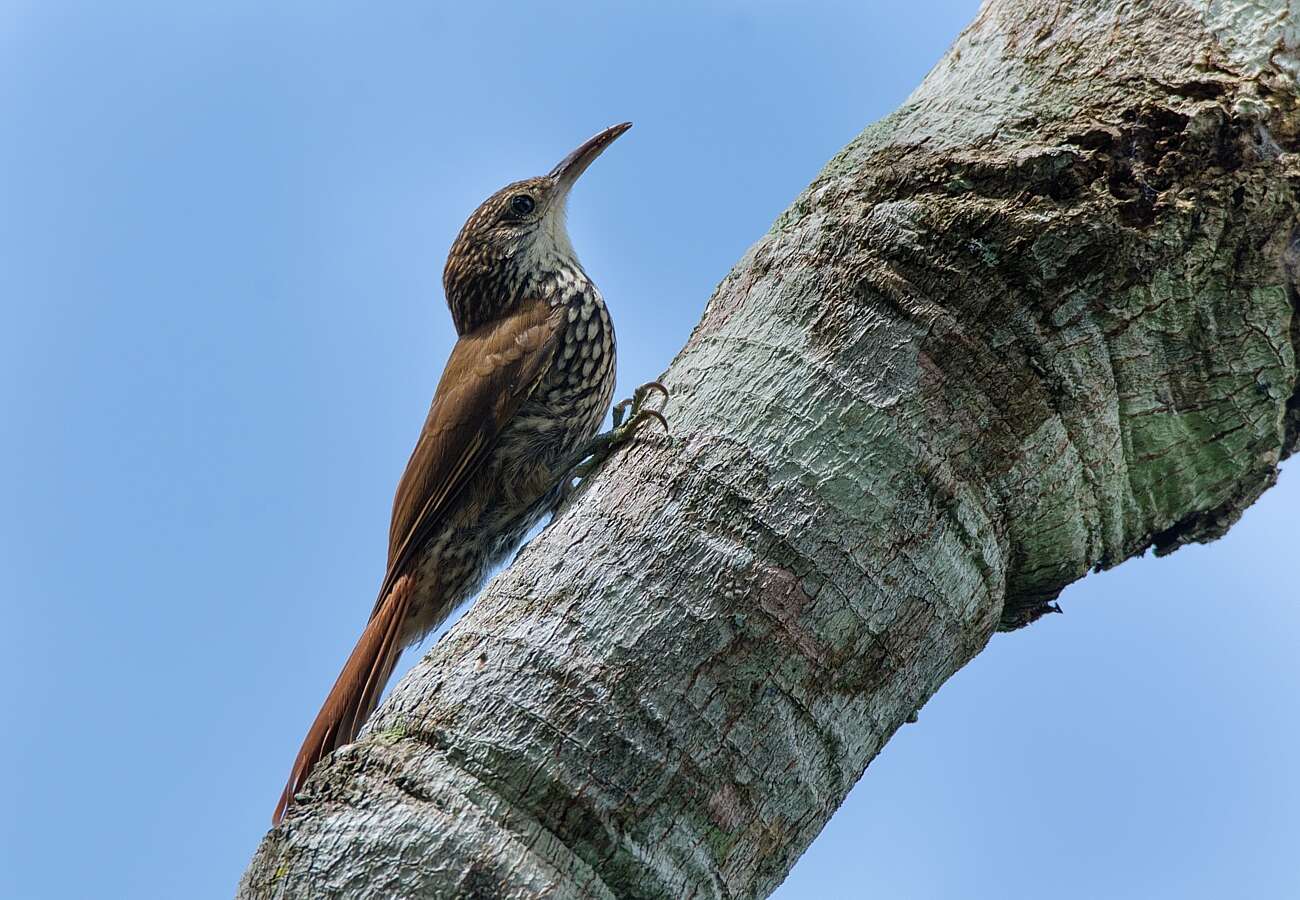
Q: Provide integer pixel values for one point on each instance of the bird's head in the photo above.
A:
(516, 236)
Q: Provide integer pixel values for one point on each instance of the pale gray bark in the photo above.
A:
(1035, 322)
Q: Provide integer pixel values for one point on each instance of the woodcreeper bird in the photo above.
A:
(512, 423)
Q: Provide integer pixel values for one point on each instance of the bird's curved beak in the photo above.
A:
(573, 165)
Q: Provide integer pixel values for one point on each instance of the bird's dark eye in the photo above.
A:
(521, 204)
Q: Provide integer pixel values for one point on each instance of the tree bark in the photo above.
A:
(1040, 319)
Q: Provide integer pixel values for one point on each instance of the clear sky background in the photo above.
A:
(222, 230)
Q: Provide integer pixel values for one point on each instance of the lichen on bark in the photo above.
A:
(1039, 320)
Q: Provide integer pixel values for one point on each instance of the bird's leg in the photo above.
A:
(629, 416)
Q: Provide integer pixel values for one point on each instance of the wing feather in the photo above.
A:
(490, 373)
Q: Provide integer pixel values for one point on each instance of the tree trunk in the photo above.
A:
(1038, 320)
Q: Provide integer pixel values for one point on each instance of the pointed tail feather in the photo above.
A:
(356, 692)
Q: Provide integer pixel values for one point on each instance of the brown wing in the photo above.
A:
(490, 373)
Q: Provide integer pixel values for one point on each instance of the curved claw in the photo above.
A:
(649, 414)
(651, 386)
(637, 401)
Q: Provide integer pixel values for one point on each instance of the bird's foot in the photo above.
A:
(630, 416)
(636, 405)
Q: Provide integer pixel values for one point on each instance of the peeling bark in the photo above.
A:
(1037, 321)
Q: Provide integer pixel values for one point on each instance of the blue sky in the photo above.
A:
(221, 235)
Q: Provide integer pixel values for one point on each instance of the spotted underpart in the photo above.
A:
(521, 480)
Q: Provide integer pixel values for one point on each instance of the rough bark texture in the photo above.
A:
(1035, 322)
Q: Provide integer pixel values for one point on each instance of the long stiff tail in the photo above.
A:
(356, 692)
